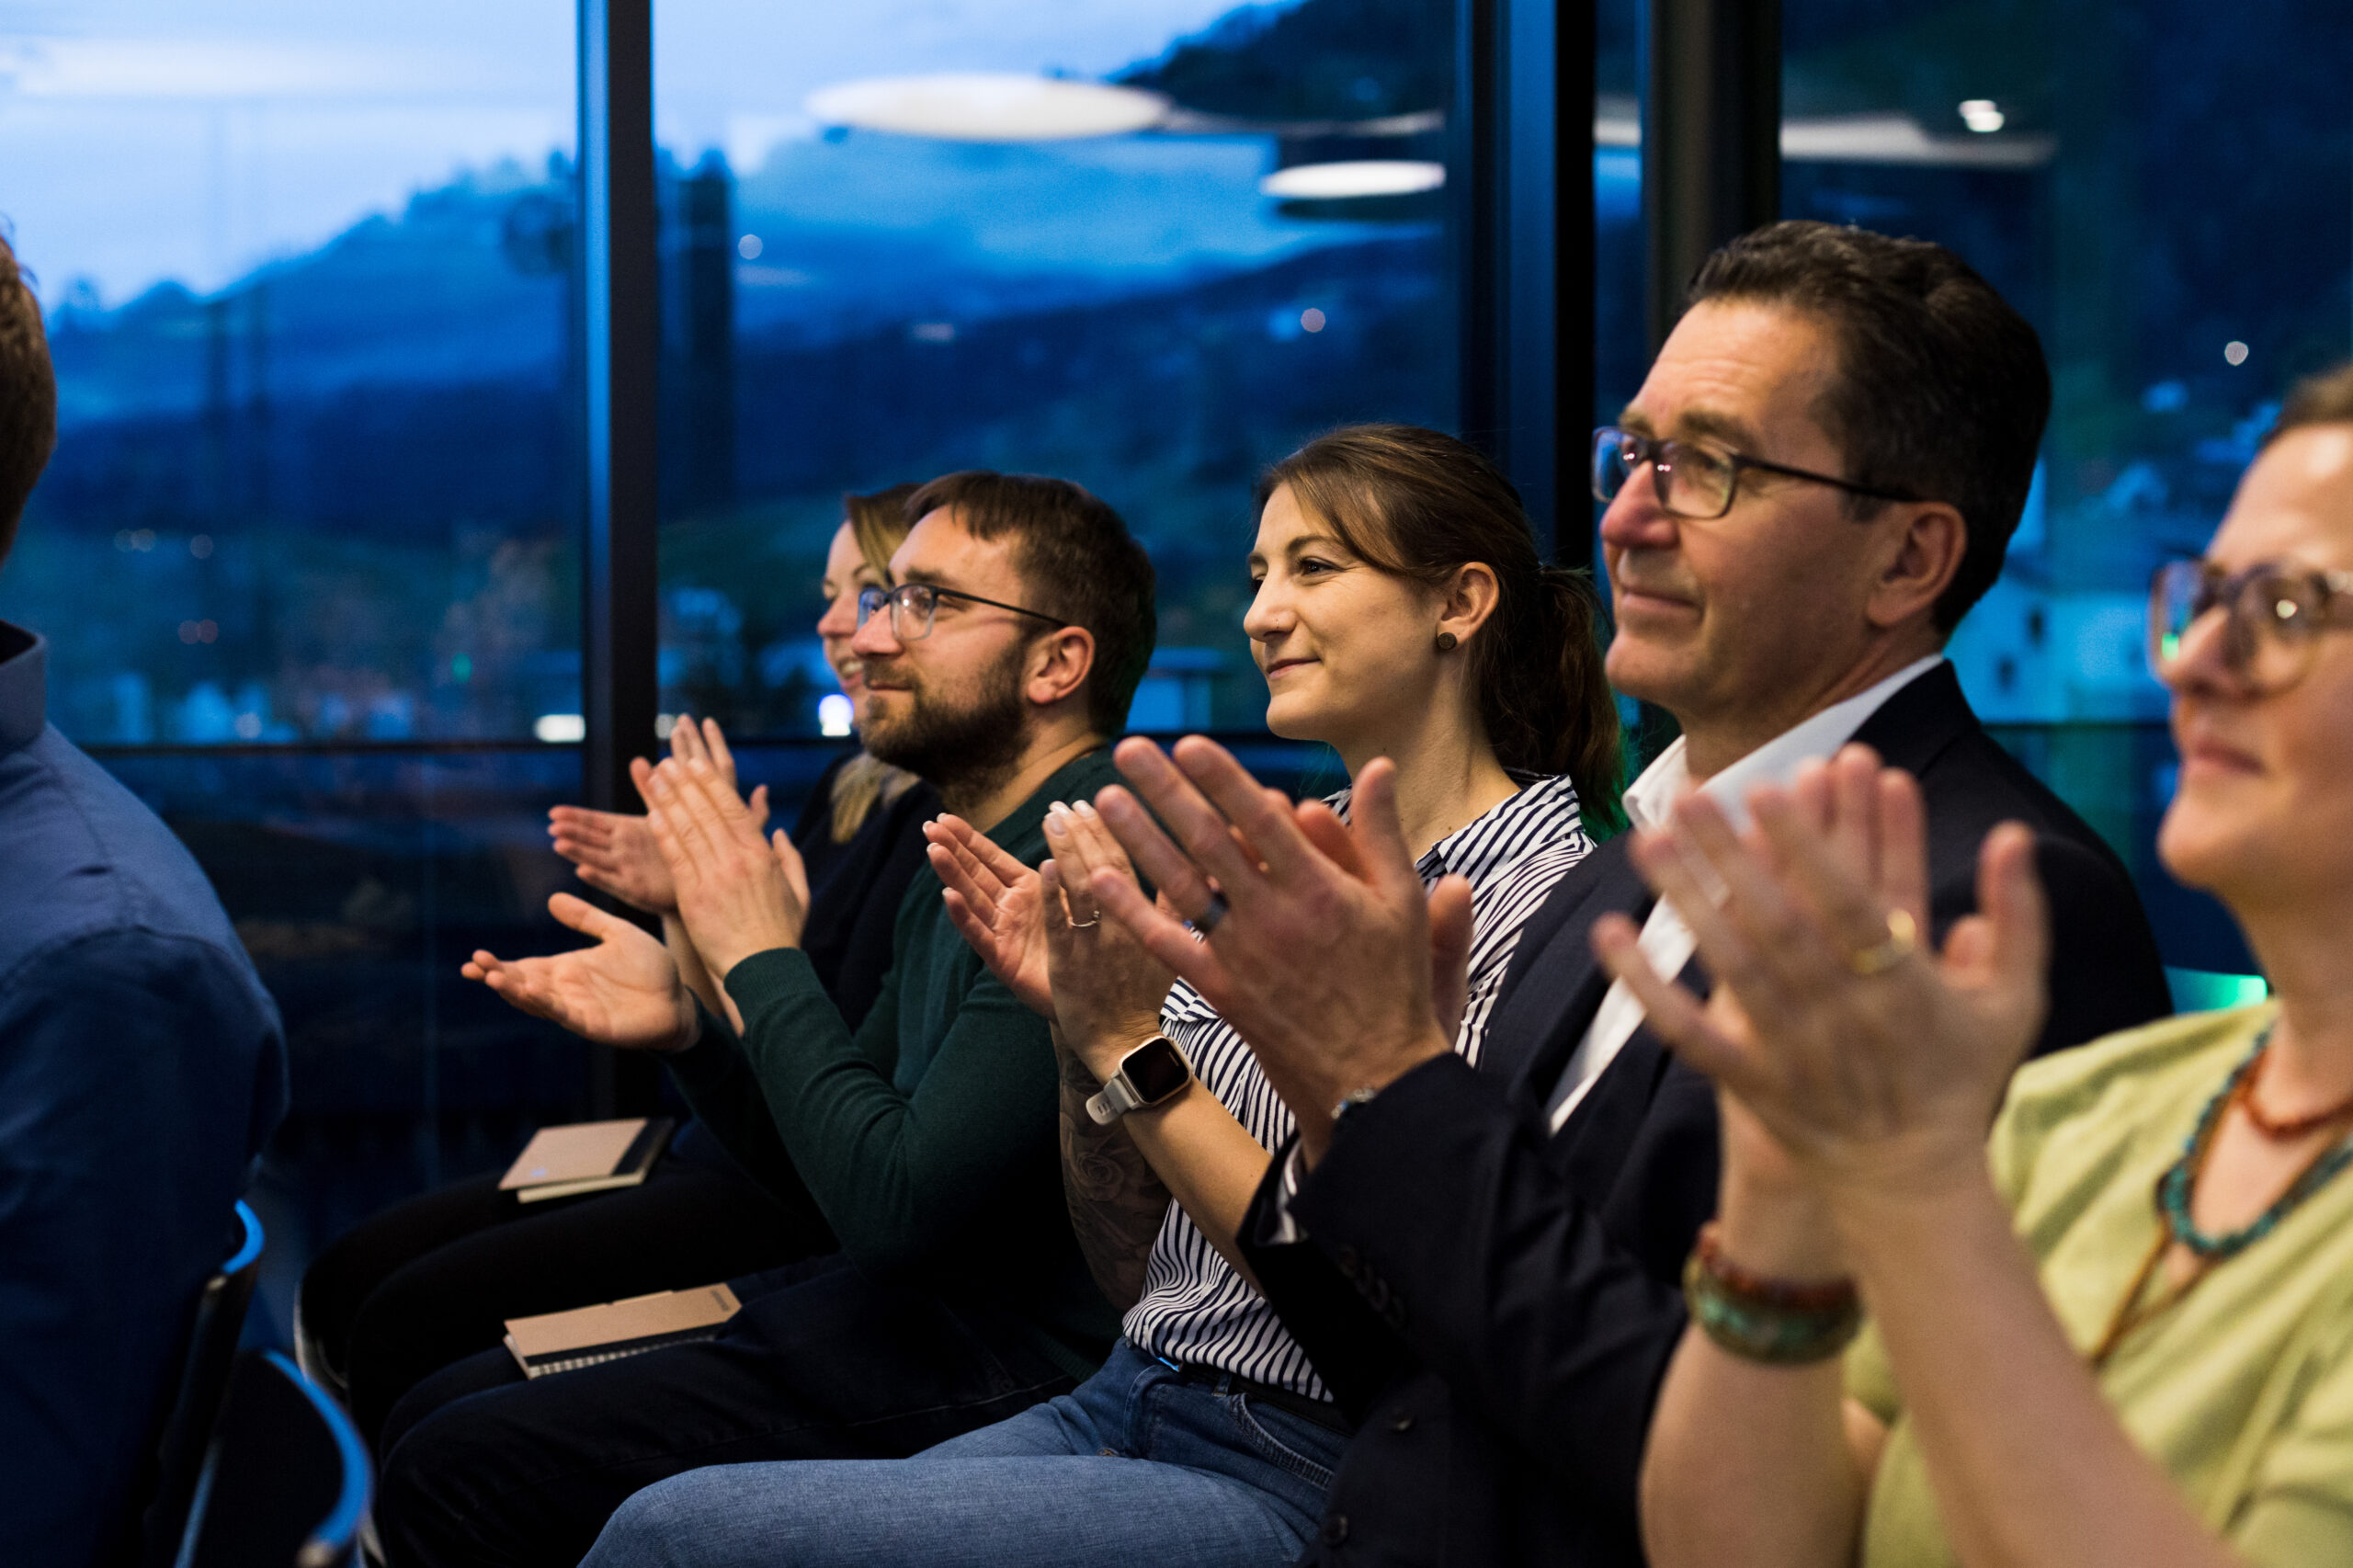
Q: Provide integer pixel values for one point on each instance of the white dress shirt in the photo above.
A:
(1665, 940)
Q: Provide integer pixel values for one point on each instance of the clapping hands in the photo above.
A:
(1871, 1066)
(1042, 933)
(1324, 950)
(616, 854)
(738, 893)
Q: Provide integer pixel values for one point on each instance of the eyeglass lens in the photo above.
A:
(911, 606)
(1687, 481)
(2268, 618)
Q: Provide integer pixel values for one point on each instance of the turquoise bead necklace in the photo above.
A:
(2180, 1183)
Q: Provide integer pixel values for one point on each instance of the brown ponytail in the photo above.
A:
(1422, 505)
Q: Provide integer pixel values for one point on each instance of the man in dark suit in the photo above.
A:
(1818, 478)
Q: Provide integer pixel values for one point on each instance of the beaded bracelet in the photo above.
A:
(1779, 1322)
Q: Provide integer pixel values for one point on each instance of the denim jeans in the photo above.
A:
(1135, 1466)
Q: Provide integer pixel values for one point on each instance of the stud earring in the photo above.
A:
(1446, 641)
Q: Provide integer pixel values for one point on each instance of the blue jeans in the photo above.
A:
(1135, 1466)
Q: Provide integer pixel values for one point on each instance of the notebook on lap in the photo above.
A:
(558, 1342)
(586, 1156)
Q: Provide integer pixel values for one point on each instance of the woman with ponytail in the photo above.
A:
(1400, 611)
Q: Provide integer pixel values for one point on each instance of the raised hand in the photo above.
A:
(1107, 987)
(1320, 943)
(1870, 1060)
(738, 893)
(994, 901)
(616, 854)
(624, 992)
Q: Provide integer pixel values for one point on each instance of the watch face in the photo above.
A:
(1157, 1069)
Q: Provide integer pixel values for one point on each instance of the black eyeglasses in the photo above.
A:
(1690, 480)
(912, 604)
(2273, 614)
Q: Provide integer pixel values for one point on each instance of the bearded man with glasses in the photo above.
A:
(1817, 478)
(997, 671)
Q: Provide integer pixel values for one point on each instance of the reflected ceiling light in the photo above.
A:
(987, 105)
(1358, 177)
(1981, 114)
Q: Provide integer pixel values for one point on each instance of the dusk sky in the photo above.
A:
(145, 140)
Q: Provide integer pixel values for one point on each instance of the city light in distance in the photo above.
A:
(195, 631)
(1981, 114)
(1311, 320)
(833, 715)
(200, 546)
(749, 248)
(2233, 352)
(1352, 177)
(560, 729)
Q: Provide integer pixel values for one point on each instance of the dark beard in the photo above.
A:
(963, 753)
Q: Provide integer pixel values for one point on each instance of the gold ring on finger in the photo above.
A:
(1902, 941)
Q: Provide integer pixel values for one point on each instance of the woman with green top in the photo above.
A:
(2125, 1336)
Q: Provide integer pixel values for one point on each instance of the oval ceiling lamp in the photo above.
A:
(1354, 178)
(988, 106)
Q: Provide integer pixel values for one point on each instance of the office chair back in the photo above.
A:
(204, 1378)
(285, 1480)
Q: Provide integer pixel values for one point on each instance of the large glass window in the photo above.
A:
(2165, 189)
(306, 557)
(1150, 247)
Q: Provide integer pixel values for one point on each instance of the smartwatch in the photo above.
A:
(1154, 1072)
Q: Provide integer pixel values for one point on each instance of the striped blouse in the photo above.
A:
(1196, 1309)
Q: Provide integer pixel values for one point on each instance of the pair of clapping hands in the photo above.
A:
(699, 856)
(1856, 1059)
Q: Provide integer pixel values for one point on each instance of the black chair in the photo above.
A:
(204, 1378)
(286, 1479)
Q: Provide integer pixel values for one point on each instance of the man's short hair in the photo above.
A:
(28, 396)
(1941, 391)
(2325, 398)
(1077, 561)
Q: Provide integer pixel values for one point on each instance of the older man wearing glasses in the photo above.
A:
(1817, 478)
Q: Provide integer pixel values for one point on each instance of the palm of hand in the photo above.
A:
(624, 992)
(1018, 952)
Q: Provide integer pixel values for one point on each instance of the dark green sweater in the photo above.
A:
(930, 1139)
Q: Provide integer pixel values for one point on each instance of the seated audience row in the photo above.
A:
(1478, 1286)
(1118, 1161)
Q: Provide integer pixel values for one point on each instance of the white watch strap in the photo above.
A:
(1117, 1099)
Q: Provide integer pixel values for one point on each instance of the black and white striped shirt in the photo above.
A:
(1196, 1309)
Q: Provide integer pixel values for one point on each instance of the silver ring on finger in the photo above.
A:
(1207, 920)
(1088, 924)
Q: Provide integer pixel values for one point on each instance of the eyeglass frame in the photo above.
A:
(871, 599)
(2330, 587)
(1649, 450)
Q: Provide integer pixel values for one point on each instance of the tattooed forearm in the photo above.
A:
(1115, 1202)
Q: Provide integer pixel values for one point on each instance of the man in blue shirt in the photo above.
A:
(141, 1067)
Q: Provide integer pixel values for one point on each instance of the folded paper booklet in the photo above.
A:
(557, 1342)
(587, 1156)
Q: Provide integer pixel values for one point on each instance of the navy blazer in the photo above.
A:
(1495, 1305)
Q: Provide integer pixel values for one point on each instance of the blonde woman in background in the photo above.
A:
(433, 1278)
